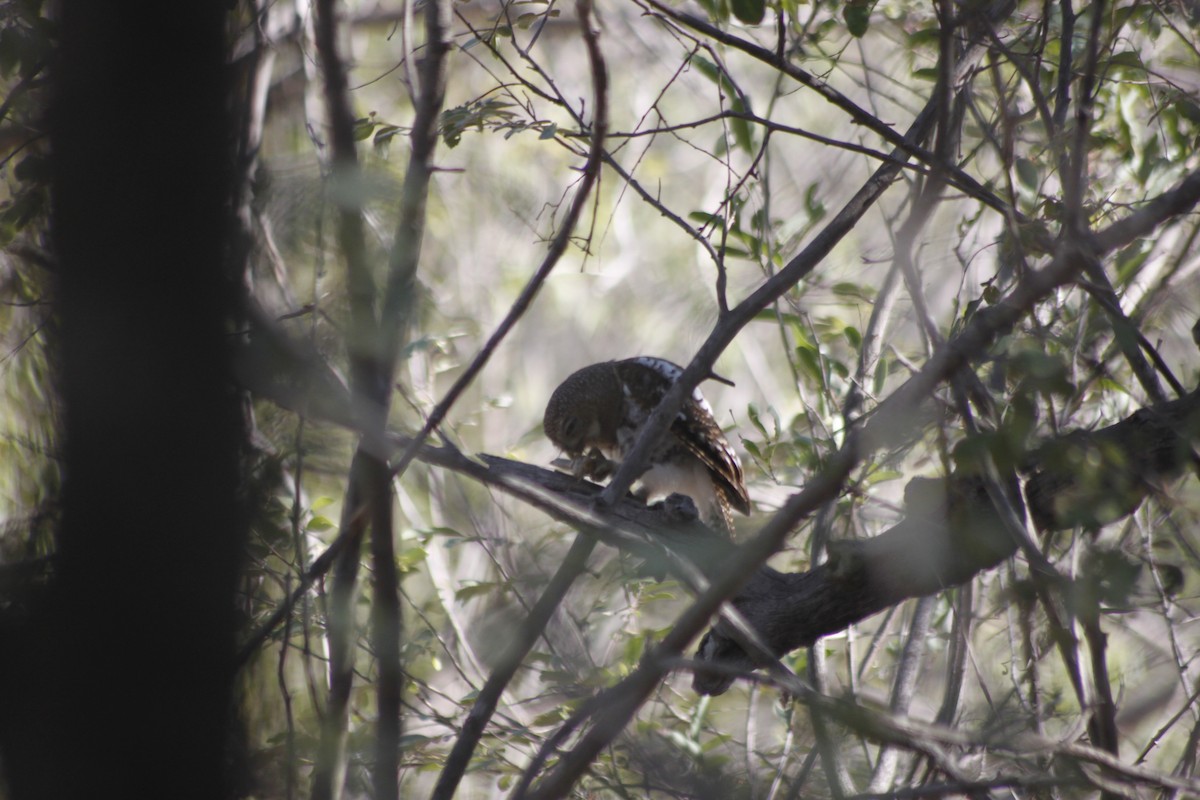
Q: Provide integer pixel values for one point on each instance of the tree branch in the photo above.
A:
(796, 269)
(591, 173)
(952, 531)
(374, 341)
(329, 770)
(892, 421)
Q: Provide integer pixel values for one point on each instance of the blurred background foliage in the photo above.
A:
(697, 185)
(30, 478)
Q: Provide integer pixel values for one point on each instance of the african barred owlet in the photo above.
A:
(597, 413)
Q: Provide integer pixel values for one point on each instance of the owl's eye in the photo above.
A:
(571, 429)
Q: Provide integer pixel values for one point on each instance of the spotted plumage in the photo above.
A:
(595, 417)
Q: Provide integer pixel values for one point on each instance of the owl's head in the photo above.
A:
(585, 410)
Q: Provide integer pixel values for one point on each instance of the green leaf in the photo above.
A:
(553, 717)
(704, 218)
(1129, 61)
(1130, 261)
(475, 590)
(706, 68)
(857, 14)
(411, 558)
(741, 127)
(883, 476)
(813, 204)
(385, 133)
(443, 531)
(412, 741)
(320, 523)
(755, 415)
(810, 362)
(925, 36)
(1027, 173)
(364, 127)
(854, 291)
(881, 373)
(749, 11)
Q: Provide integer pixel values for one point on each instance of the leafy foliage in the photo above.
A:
(738, 137)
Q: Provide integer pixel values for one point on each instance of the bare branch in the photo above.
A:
(892, 420)
(1147, 219)
(558, 246)
(329, 771)
(573, 564)
(792, 273)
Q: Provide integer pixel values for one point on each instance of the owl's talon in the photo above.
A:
(595, 466)
(680, 508)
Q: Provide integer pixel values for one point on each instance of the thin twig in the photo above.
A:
(530, 630)
(908, 669)
(892, 421)
(367, 484)
(581, 549)
(558, 246)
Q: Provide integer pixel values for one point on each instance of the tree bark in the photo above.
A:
(119, 683)
(952, 531)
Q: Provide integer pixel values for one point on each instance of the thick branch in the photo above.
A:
(942, 542)
(952, 531)
(292, 376)
(329, 769)
(893, 419)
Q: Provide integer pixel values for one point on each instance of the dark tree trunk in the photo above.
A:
(119, 683)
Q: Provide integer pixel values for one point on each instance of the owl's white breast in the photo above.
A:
(686, 476)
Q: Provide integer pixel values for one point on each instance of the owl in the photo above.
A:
(595, 417)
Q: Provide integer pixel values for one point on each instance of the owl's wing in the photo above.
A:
(701, 434)
(647, 380)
